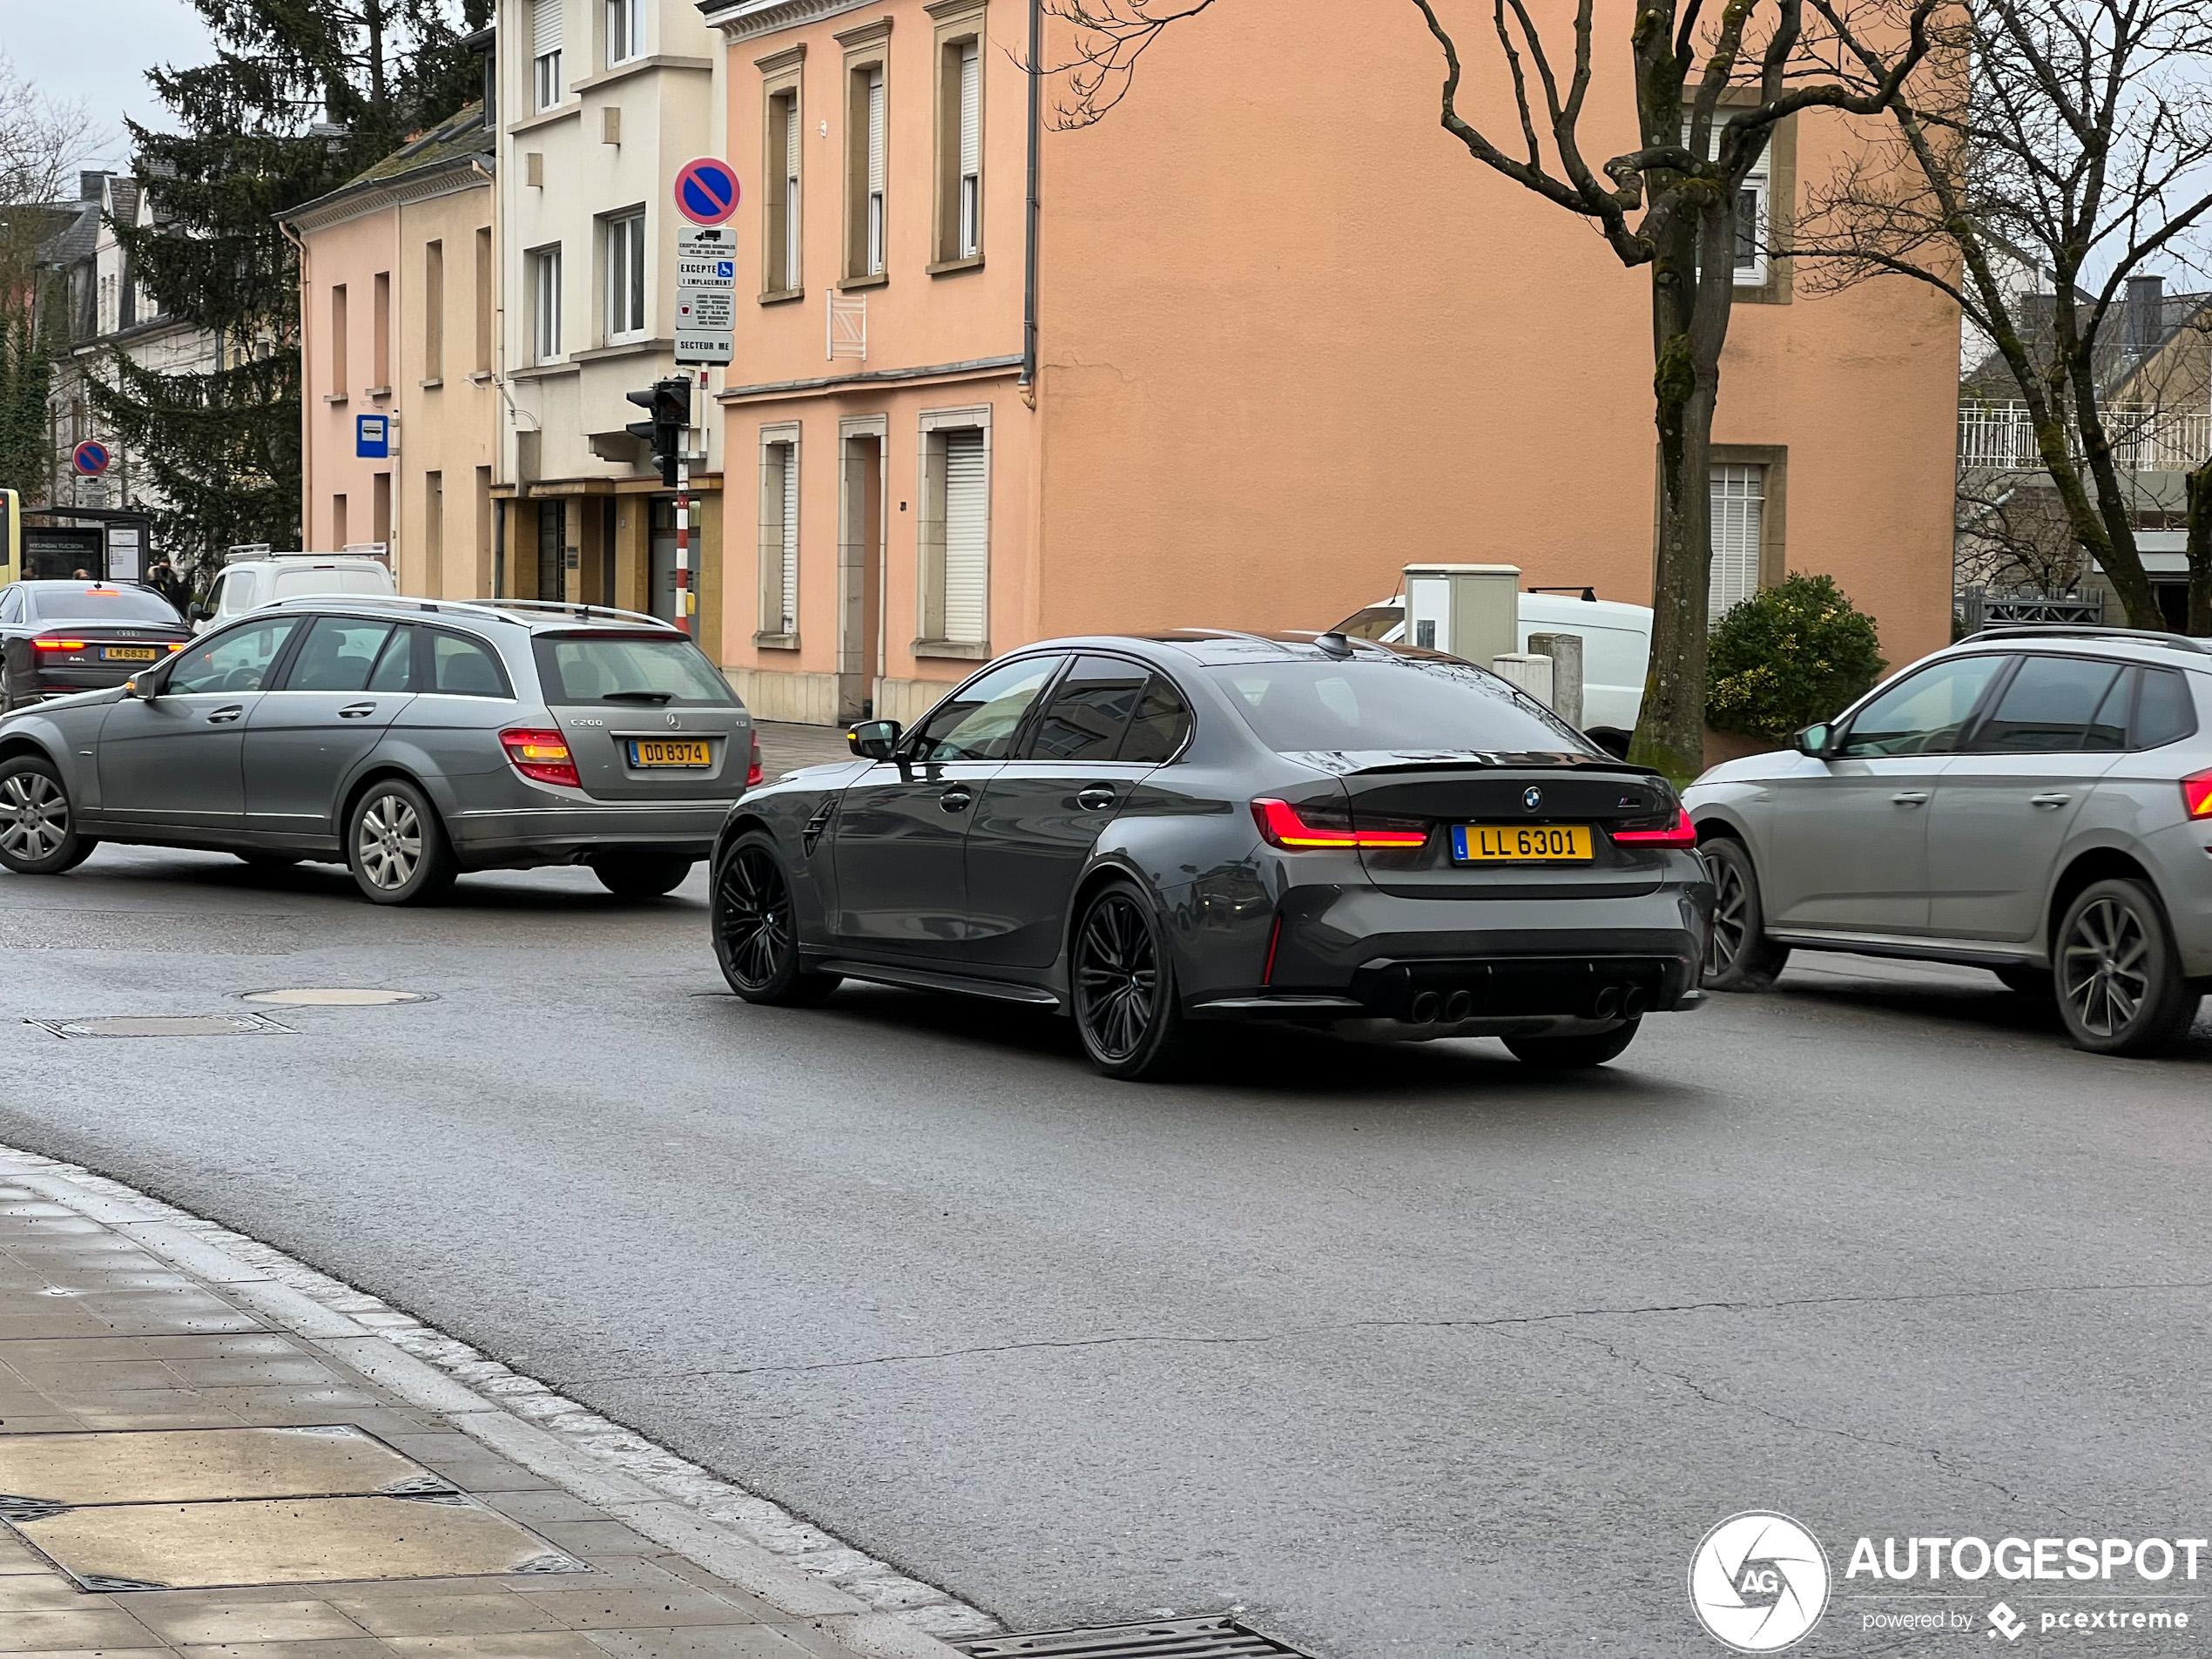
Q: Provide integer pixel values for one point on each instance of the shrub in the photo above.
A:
(1788, 656)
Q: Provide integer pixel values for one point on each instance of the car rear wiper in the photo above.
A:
(638, 697)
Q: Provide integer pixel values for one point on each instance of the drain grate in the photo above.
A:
(167, 1025)
(1217, 1637)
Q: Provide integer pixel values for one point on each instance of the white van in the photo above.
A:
(248, 583)
(1616, 649)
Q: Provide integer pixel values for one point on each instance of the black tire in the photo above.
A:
(38, 823)
(641, 875)
(1572, 1054)
(2119, 986)
(1121, 974)
(396, 847)
(2028, 982)
(1738, 955)
(755, 927)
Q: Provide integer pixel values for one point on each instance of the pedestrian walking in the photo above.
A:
(164, 580)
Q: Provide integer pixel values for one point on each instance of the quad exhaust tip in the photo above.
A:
(1427, 1006)
(1460, 1006)
(1608, 1004)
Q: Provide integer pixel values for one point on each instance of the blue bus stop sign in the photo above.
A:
(373, 437)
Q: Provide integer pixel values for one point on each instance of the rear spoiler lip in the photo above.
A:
(1351, 763)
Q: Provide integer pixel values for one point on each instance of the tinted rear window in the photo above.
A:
(1372, 702)
(625, 668)
(98, 603)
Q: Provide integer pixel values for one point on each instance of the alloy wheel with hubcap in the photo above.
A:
(1738, 955)
(2119, 980)
(755, 931)
(396, 846)
(1126, 1010)
(38, 830)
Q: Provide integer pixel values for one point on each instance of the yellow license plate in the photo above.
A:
(666, 752)
(128, 654)
(1520, 843)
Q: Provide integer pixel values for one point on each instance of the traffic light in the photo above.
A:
(669, 402)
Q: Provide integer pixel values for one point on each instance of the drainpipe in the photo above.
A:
(1030, 251)
(307, 422)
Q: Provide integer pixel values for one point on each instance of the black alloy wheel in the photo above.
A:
(640, 875)
(1127, 1011)
(1570, 1054)
(396, 847)
(1738, 955)
(38, 833)
(756, 932)
(2120, 985)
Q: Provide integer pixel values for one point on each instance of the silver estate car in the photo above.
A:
(412, 739)
(2036, 801)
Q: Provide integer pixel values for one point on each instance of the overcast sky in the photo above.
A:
(100, 52)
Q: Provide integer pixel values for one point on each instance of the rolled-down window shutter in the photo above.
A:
(1739, 522)
(967, 514)
(789, 452)
(875, 132)
(791, 192)
(545, 27)
(971, 112)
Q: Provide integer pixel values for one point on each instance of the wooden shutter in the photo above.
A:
(967, 514)
(1739, 524)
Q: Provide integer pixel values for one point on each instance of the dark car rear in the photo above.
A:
(61, 638)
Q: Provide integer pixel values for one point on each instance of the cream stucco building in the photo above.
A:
(600, 102)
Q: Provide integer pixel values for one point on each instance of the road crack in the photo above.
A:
(1339, 1327)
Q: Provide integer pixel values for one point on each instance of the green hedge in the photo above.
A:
(1787, 656)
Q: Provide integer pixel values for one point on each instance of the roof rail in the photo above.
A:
(2085, 630)
(586, 613)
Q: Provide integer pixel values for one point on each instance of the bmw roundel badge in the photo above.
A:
(1532, 797)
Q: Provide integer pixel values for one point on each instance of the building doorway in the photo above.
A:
(551, 515)
(664, 559)
(860, 569)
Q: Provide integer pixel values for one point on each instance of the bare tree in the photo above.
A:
(2086, 145)
(1708, 92)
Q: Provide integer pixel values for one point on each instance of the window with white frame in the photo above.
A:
(968, 238)
(545, 51)
(956, 532)
(780, 236)
(1738, 532)
(626, 30)
(779, 531)
(868, 238)
(1752, 203)
(544, 269)
(622, 242)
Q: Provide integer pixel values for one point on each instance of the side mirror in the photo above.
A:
(197, 612)
(875, 739)
(144, 689)
(1814, 740)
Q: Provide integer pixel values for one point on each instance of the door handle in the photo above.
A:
(1910, 798)
(357, 710)
(225, 715)
(2056, 798)
(1096, 798)
(954, 800)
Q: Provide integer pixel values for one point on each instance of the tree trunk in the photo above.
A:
(2200, 550)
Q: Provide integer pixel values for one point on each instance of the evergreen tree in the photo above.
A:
(302, 96)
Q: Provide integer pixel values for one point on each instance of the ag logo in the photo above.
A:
(1758, 1581)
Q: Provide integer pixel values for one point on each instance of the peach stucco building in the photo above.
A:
(398, 284)
(1289, 338)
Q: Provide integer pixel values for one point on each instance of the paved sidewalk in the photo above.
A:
(174, 1414)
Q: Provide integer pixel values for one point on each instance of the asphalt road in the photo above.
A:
(1410, 1351)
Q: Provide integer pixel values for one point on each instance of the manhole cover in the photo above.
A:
(167, 1025)
(208, 1508)
(337, 996)
(1217, 1637)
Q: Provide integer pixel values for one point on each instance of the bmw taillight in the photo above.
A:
(541, 755)
(1680, 833)
(753, 769)
(2197, 795)
(1281, 825)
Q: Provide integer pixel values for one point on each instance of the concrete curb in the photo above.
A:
(866, 1605)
